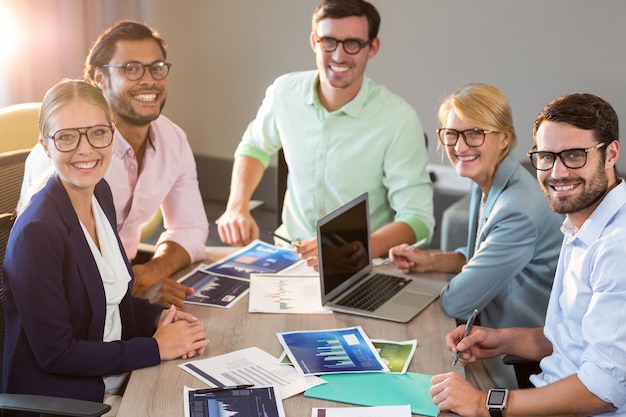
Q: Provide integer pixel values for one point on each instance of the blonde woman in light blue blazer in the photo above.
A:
(507, 268)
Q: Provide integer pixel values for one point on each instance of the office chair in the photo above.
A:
(18, 126)
(12, 173)
(524, 368)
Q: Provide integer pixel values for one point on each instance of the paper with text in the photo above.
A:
(250, 366)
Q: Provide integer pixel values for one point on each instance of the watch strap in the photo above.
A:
(495, 412)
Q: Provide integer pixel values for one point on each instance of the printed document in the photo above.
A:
(251, 366)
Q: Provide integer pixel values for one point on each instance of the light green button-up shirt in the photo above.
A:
(375, 144)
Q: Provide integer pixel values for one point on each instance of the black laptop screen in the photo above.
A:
(343, 242)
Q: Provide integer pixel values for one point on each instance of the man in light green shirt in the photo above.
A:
(342, 135)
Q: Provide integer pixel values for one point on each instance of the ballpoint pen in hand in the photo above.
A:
(416, 245)
(284, 239)
(468, 329)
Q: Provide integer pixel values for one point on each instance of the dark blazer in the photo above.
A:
(55, 305)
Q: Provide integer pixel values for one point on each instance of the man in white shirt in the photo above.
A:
(582, 346)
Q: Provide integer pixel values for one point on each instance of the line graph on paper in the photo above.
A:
(271, 293)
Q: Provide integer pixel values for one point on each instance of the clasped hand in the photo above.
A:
(180, 335)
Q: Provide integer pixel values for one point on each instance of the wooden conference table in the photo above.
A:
(158, 391)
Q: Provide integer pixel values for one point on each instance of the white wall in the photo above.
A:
(225, 53)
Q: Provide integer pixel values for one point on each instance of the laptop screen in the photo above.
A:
(343, 240)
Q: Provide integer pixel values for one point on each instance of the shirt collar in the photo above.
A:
(121, 146)
(352, 108)
(594, 225)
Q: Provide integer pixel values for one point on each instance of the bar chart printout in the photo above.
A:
(318, 352)
(246, 402)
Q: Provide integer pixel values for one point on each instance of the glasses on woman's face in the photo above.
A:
(67, 140)
(134, 70)
(350, 46)
(571, 158)
(473, 137)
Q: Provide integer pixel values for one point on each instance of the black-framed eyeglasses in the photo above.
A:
(571, 158)
(350, 46)
(134, 70)
(473, 137)
(67, 140)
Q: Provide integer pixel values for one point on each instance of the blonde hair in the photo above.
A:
(70, 91)
(484, 106)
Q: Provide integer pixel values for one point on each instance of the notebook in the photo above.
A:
(348, 281)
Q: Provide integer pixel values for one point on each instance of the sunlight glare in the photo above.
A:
(8, 34)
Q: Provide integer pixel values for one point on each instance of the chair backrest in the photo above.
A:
(6, 222)
(18, 126)
(12, 174)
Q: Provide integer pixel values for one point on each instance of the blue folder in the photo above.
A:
(377, 388)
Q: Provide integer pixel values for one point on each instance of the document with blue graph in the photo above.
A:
(316, 352)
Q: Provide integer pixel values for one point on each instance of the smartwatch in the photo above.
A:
(496, 401)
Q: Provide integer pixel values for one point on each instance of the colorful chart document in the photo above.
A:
(262, 401)
(256, 258)
(397, 355)
(316, 352)
(214, 290)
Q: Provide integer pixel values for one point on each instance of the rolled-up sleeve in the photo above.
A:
(603, 358)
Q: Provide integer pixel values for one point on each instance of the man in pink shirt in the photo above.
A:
(152, 165)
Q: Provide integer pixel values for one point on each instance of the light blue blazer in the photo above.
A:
(511, 260)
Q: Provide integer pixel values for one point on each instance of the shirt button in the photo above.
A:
(559, 320)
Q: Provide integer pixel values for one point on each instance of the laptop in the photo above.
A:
(349, 283)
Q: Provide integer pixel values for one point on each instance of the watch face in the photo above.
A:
(496, 397)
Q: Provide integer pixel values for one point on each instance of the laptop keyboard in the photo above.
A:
(374, 292)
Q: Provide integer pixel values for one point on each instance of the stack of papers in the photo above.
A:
(252, 366)
(316, 352)
(358, 370)
(223, 283)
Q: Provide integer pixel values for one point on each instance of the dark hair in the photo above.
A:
(126, 30)
(583, 111)
(337, 9)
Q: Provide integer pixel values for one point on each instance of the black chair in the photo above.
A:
(45, 406)
(524, 368)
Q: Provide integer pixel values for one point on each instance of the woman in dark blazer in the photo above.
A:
(73, 329)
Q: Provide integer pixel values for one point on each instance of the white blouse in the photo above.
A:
(115, 279)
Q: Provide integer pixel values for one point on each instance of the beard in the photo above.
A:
(592, 192)
(123, 110)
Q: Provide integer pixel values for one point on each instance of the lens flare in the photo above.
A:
(8, 34)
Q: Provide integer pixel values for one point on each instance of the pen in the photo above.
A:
(226, 388)
(416, 245)
(284, 239)
(468, 328)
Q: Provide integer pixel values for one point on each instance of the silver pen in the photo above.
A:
(416, 245)
(468, 329)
